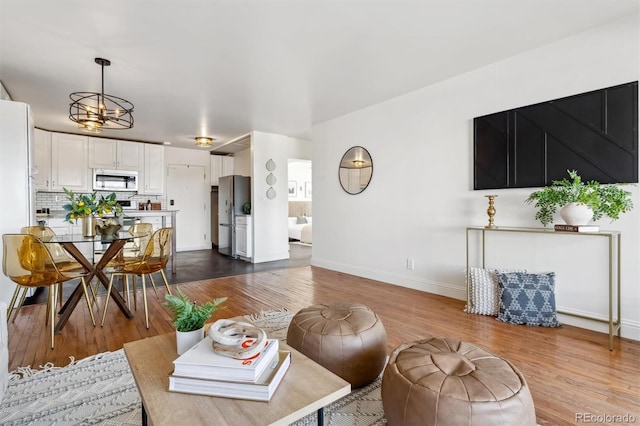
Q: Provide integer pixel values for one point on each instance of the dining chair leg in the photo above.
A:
(106, 302)
(153, 283)
(166, 283)
(125, 289)
(144, 297)
(52, 311)
(25, 290)
(94, 292)
(86, 297)
(49, 308)
(23, 295)
(134, 288)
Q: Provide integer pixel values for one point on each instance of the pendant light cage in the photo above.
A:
(93, 111)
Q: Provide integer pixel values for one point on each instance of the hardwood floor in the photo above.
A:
(569, 370)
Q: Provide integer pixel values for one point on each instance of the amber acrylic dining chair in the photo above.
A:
(27, 262)
(62, 259)
(141, 233)
(153, 259)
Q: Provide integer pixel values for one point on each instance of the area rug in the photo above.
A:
(101, 390)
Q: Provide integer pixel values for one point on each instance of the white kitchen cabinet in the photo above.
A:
(221, 165)
(69, 162)
(116, 155)
(42, 159)
(152, 175)
(244, 245)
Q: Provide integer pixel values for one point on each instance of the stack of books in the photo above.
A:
(201, 371)
(576, 228)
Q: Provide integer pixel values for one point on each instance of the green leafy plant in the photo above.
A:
(188, 315)
(81, 205)
(604, 200)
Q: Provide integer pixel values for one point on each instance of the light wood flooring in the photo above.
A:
(569, 370)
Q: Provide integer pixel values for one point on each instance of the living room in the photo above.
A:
(420, 198)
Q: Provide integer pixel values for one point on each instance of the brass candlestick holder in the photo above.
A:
(491, 211)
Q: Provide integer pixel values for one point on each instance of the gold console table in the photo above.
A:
(613, 238)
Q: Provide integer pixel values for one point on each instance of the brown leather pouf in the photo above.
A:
(346, 338)
(445, 382)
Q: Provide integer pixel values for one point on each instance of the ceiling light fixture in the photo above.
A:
(94, 111)
(358, 163)
(203, 141)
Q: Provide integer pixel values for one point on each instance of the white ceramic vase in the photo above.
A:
(186, 339)
(576, 214)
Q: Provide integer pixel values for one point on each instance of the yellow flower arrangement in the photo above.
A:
(81, 205)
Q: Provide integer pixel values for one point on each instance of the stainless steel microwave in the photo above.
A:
(115, 180)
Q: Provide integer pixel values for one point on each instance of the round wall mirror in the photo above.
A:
(356, 168)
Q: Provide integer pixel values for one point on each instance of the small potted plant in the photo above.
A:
(189, 318)
(580, 201)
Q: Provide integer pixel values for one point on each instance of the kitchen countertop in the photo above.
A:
(139, 213)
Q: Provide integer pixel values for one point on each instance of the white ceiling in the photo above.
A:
(224, 68)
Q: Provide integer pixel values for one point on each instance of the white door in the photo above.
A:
(186, 189)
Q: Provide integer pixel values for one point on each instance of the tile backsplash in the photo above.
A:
(55, 200)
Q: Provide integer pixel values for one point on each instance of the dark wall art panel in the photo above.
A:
(595, 133)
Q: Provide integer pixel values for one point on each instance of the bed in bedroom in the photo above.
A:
(300, 227)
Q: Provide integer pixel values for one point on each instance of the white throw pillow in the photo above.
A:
(483, 290)
(4, 350)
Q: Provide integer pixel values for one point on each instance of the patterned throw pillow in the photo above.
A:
(528, 299)
(300, 220)
(483, 290)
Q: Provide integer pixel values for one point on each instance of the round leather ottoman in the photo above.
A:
(441, 381)
(346, 338)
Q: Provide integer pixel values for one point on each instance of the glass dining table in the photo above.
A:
(73, 243)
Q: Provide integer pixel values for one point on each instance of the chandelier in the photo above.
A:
(94, 111)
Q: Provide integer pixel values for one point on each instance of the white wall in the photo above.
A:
(420, 199)
(270, 229)
(270, 238)
(242, 163)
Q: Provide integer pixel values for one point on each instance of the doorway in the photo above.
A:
(186, 193)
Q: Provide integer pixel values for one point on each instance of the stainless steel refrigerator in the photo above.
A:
(17, 186)
(233, 192)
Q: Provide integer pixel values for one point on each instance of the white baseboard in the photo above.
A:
(629, 329)
(443, 289)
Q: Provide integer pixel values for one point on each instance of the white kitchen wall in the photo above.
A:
(420, 199)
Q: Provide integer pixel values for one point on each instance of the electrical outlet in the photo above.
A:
(410, 264)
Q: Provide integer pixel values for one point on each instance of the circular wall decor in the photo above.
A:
(271, 193)
(271, 179)
(271, 165)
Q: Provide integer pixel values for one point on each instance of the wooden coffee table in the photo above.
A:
(306, 388)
